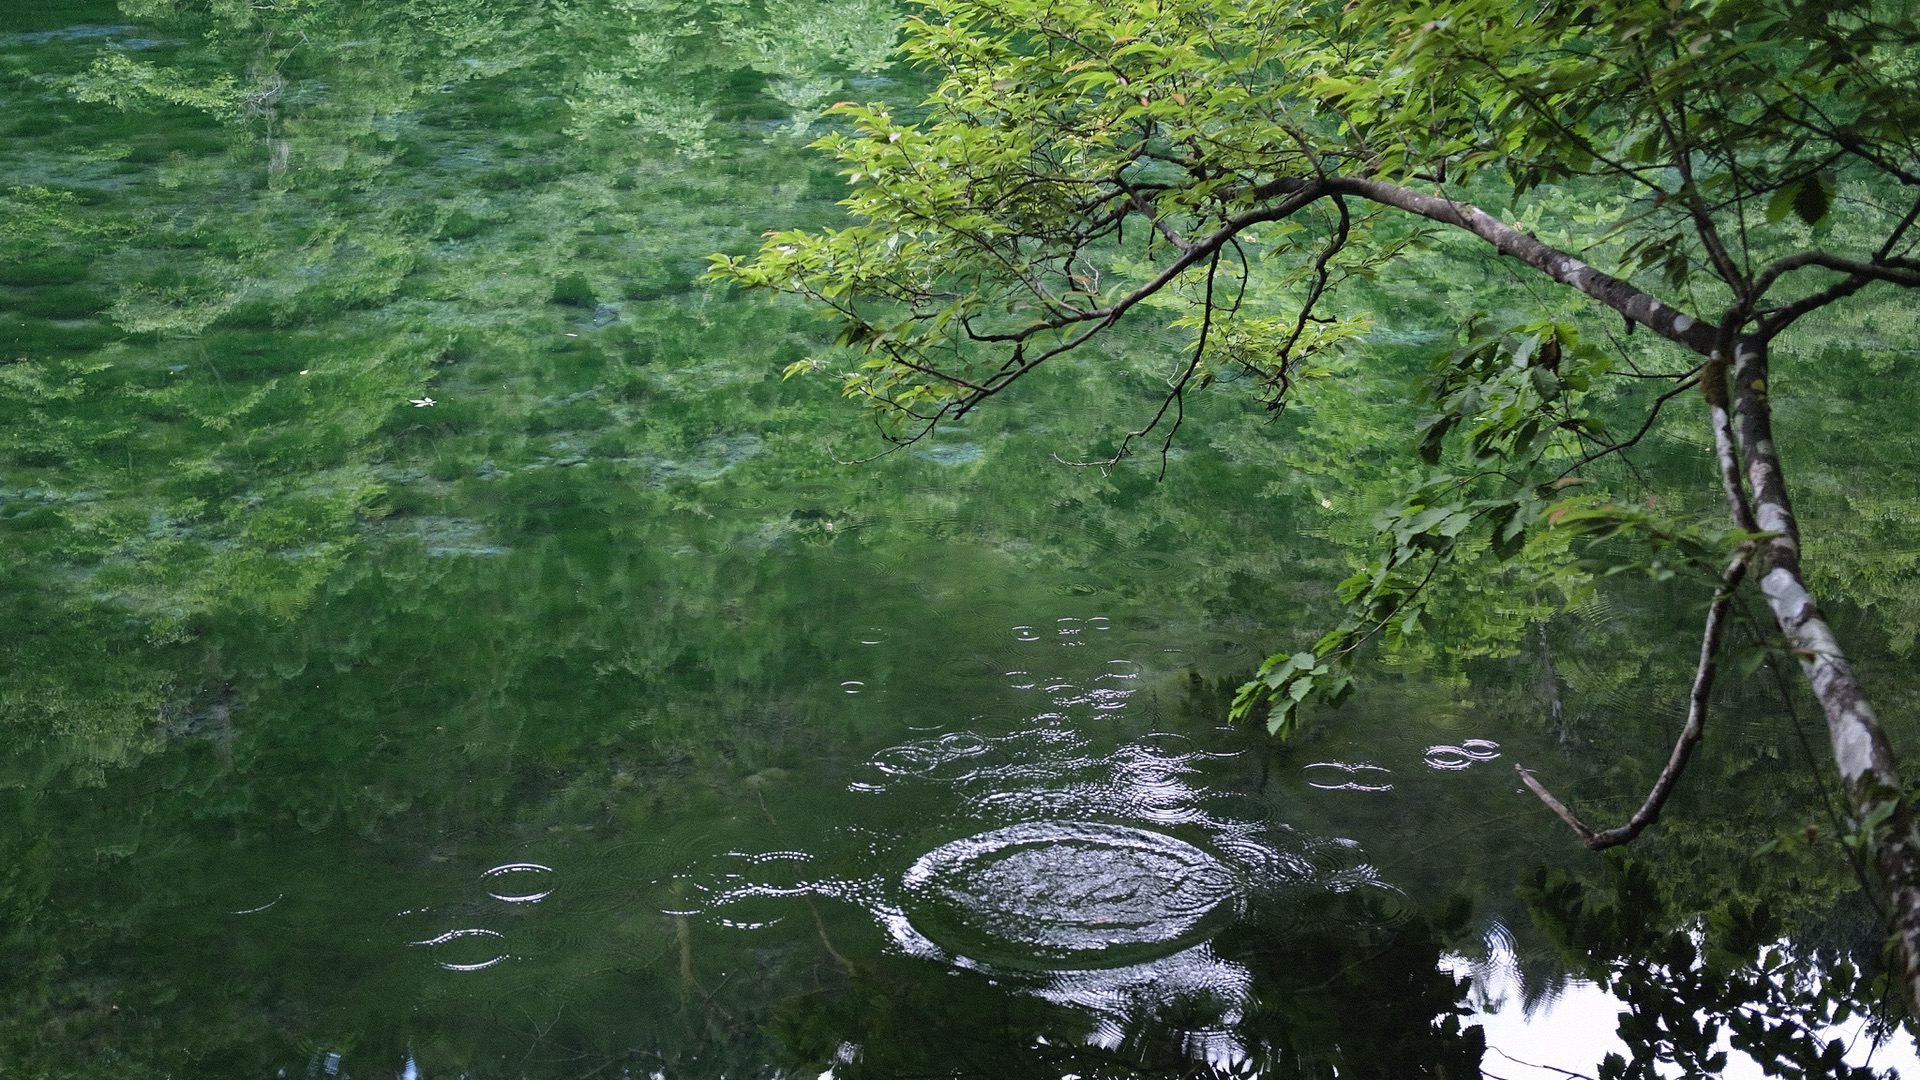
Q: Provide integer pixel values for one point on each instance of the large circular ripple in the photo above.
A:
(1059, 895)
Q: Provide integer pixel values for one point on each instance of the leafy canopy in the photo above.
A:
(1681, 162)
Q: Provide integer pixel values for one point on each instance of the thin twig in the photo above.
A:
(1649, 811)
(1532, 1065)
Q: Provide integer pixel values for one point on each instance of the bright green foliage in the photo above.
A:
(596, 600)
(1263, 169)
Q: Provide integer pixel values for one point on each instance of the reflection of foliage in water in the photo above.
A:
(254, 235)
(1358, 995)
(1726, 974)
(572, 600)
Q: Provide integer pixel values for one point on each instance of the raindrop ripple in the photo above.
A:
(1068, 895)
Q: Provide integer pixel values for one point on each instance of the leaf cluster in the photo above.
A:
(1080, 162)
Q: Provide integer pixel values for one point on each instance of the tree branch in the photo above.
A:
(1726, 453)
(1690, 193)
(1176, 393)
(1882, 268)
(1773, 322)
(1306, 193)
(1687, 383)
(1334, 246)
(1638, 306)
(1145, 206)
(1859, 275)
(1690, 733)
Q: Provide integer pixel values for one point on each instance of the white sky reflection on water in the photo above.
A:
(1568, 1035)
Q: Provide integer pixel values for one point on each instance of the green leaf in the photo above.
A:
(1338, 691)
(1781, 204)
(1815, 198)
(1509, 531)
(1810, 198)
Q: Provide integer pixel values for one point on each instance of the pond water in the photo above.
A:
(440, 644)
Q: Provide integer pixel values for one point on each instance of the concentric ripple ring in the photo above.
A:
(1062, 895)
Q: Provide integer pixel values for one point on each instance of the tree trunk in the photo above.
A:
(1861, 751)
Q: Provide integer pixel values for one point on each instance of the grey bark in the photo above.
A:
(1861, 751)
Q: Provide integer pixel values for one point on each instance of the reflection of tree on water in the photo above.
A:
(1057, 933)
(1360, 997)
(1694, 986)
(239, 239)
(565, 612)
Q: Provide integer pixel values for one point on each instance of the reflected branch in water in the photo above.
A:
(1532, 1065)
(1695, 727)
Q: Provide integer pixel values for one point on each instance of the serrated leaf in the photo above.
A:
(1815, 199)
(1809, 198)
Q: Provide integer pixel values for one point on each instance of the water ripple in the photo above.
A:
(1067, 895)
(1347, 776)
(466, 950)
(1455, 758)
(518, 883)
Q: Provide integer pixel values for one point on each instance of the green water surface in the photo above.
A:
(438, 643)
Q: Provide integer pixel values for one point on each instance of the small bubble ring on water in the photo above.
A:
(779, 856)
(464, 935)
(1353, 773)
(1455, 758)
(511, 873)
(925, 757)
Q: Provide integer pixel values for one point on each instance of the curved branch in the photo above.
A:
(1898, 271)
(1294, 194)
(1299, 197)
(1139, 201)
(1176, 394)
(1773, 322)
(1905, 272)
(1687, 383)
(1335, 244)
(1690, 733)
(1893, 238)
(1690, 195)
